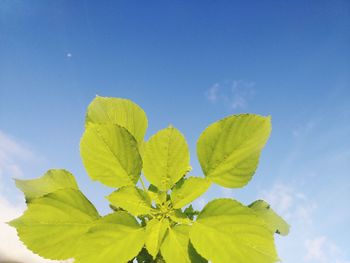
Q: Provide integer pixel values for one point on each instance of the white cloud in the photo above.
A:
(212, 93)
(291, 204)
(315, 249)
(11, 152)
(12, 155)
(280, 197)
(305, 243)
(233, 94)
(242, 91)
(10, 246)
(320, 249)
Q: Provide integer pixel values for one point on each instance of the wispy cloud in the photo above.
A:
(234, 94)
(11, 153)
(316, 249)
(212, 94)
(322, 250)
(12, 156)
(305, 243)
(291, 204)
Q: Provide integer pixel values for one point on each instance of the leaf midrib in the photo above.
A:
(97, 132)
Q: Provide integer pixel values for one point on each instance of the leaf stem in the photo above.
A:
(143, 185)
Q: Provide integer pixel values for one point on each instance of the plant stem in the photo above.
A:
(143, 185)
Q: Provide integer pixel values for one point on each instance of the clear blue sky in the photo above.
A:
(190, 63)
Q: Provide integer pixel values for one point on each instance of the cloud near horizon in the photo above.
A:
(12, 156)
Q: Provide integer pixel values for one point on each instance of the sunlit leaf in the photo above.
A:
(166, 158)
(275, 223)
(158, 224)
(175, 245)
(225, 231)
(229, 150)
(194, 256)
(124, 112)
(116, 238)
(51, 181)
(110, 155)
(189, 190)
(179, 217)
(157, 196)
(131, 199)
(52, 224)
(155, 232)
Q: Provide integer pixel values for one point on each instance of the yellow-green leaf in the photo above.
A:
(124, 112)
(175, 245)
(116, 238)
(131, 199)
(194, 256)
(51, 181)
(189, 190)
(226, 231)
(274, 222)
(110, 155)
(52, 224)
(229, 150)
(157, 196)
(179, 217)
(155, 232)
(166, 158)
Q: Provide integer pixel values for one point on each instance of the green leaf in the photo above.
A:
(116, 238)
(155, 232)
(189, 190)
(166, 158)
(131, 199)
(229, 150)
(194, 256)
(227, 231)
(190, 212)
(179, 217)
(52, 224)
(274, 222)
(144, 257)
(110, 155)
(51, 181)
(157, 196)
(118, 217)
(152, 225)
(175, 245)
(104, 110)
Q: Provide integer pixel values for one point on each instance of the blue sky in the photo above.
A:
(187, 63)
